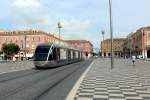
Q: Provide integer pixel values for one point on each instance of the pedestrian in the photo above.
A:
(14, 59)
(133, 60)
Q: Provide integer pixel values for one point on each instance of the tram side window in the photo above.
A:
(69, 55)
(74, 55)
(71, 52)
(81, 56)
(55, 54)
(78, 54)
(58, 54)
(63, 54)
(50, 57)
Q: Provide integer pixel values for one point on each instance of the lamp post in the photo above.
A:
(129, 45)
(59, 27)
(25, 43)
(103, 33)
(130, 48)
(111, 32)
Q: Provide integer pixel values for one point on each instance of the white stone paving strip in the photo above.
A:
(72, 93)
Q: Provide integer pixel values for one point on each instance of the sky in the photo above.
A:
(80, 19)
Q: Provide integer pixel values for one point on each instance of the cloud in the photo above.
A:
(75, 29)
(80, 29)
(30, 13)
(26, 3)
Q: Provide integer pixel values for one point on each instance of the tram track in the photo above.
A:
(35, 80)
(10, 76)
(20, 74)
(60, 80)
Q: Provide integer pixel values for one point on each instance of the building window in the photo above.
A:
(148, 35)
(5, 39)
(148, 43)
(21, 41)
(33, 46)
(33, 38)
(27, 46)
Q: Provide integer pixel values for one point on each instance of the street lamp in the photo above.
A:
(103, 33)
(111, 32)
(25, 43)
(130, 46)
(59, 27)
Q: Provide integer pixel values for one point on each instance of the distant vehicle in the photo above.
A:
(52, 55)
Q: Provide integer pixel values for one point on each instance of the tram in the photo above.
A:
(53, 55)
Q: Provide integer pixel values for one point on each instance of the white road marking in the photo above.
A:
(72, 93)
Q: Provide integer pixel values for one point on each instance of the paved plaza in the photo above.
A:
(124, 82)
(15, 66)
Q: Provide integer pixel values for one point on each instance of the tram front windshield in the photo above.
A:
(41, 53)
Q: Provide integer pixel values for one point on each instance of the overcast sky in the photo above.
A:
(81, 19)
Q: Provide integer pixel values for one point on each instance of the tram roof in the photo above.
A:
(58, 46)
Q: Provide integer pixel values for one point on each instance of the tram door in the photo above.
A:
(78, 55)
(69, 55)
(148, 54)
(56, 54)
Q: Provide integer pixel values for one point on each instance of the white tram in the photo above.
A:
(52, 55)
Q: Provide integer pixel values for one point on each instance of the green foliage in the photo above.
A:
(10, 49)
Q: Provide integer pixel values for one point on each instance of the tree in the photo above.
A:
(10, 49)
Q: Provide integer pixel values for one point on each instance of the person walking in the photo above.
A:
(133, 60)
(14, 59)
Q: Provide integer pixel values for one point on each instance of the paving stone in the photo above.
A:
(90, 95)
(145, 96)
(124, 82)
(99, 97)
(134, 98)
(117, 99)
(84, 98)
(116, 95)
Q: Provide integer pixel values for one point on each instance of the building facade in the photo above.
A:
(85, 46)
(31, 38)
(127, 48)
(118, 44)
(138, 43)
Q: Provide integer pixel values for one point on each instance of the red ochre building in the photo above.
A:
(117, 47)
(85, 46)
(34, 37)
(138, 43)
